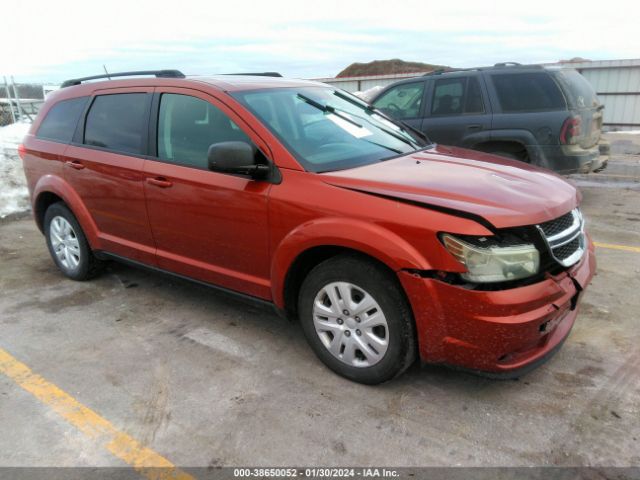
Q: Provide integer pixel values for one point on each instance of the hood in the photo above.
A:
(505, 193)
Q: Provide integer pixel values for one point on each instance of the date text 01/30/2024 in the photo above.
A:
(315, 472)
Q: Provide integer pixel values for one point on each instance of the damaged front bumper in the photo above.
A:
(505, 332)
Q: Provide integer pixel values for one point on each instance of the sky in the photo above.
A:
(57, 40)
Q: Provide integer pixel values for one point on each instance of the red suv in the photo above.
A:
(300, 195)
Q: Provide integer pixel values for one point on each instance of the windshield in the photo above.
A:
(328, 129)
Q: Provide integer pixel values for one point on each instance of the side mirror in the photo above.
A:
(235, 157)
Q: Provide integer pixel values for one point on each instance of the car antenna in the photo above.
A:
(105, 71)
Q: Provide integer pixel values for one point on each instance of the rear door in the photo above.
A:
(457, 110)
(207, 225)
(528, 101)
(104, 166)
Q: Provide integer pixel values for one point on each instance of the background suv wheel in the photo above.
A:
(68, 245)
(357, 320)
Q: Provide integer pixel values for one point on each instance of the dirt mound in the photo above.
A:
(385, 67)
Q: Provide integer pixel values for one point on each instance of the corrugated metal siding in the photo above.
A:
(617, 83)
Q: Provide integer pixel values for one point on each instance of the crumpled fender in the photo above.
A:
(368, 238)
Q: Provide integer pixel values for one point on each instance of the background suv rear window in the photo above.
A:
(60, 123)
(117, 122)
(518, 92)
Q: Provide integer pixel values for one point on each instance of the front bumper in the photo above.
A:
(502, 332)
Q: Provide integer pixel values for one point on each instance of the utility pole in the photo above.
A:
(6, 87)
(17, 96)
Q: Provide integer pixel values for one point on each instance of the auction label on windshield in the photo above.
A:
(316, 472)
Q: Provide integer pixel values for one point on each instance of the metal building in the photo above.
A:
(617, 83)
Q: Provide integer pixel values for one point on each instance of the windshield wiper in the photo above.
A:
(338, 113)
(395, 150)
(372, 109)
(390, 132)
(328, 109)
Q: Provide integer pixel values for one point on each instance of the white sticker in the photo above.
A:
(349, 127)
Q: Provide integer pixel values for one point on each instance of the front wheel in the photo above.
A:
(357, 319)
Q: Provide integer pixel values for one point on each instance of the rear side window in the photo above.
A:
(578, 89)
(455, 96)
(117, 122)
(188, 126)
(402, 101)
(520, 92)
(61, 120)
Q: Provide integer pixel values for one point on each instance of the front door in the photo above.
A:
(404, 102)
(206, 225)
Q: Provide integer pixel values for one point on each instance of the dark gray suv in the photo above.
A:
(546, 116)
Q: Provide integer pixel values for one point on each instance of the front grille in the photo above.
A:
(565, 251)
(560, 224)
(564, 237)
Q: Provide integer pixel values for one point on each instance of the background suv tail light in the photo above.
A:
(22, 151)
(571, 129)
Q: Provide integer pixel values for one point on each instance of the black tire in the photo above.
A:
(88, 265)
(385, 289)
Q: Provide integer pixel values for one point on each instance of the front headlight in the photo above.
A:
(493, 263)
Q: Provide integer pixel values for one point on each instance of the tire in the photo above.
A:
(68, 244)
(361, 356)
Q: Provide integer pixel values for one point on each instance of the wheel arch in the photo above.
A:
(51, 189)
(511, 146)
(509, 140)
(313, 243)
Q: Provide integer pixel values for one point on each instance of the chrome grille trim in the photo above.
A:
(556, 241)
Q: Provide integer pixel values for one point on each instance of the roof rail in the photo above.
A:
(157, 73)
(507, 64)
(257, 74)
(440, 71)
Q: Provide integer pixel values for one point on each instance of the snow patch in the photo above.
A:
(14, 196)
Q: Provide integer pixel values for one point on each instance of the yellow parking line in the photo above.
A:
(142, 459)
(613, 246)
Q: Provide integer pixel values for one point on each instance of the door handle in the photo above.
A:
(475, 126)
(75, 164)
(159, 182)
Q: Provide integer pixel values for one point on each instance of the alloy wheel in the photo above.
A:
(64, 242)
(350, 324)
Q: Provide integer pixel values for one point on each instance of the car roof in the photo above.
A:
(501, 68)
(252, 82)
(227, 83)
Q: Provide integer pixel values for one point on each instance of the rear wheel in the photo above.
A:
(357, 320)
(68, 245)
